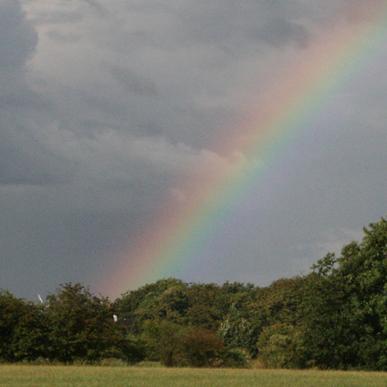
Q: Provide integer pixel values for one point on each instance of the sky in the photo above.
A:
(107, 106)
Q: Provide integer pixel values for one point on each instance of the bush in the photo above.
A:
(132, 349)
(163, 342)
(235, 358)
(23, 330)
(112, 362)
(280, 346)
(201, 347)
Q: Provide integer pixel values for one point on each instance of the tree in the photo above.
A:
(163, 341)
(164, 299)
(281, 346)
(345, 308)
(254, 309)
(201, 347)
(334, 317)
(81, 325)
(205, 306)
(23, 329)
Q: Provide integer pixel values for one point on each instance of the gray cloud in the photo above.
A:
(63, 38)
(106, 107)
(279, 32)
(132, 83)
(102, 11)
(18, 39)
(23, 160)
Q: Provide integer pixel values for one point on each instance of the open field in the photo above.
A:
(25, 375)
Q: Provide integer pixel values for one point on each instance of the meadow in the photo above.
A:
(28, 375)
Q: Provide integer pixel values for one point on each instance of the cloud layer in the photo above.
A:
(106, 106)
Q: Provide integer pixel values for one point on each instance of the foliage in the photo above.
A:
(164, 299)
(281, 346)
(22, 329)
(333, 317)
(201, 347)
(345, 307)
(163, 341)
(81, 325)
(235, 358)
(242, 323)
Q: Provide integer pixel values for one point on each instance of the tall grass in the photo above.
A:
(44, 376)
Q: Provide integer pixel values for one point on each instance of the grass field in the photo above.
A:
(20, 375)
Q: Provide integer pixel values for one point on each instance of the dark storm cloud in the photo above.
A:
(247, 23)
(63, 38)
(23, 160)
(280, 32)
(94, 4)
(132, 83)
(57, 18)
(18, 39)
(105, 106)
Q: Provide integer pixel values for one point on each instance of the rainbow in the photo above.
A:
(179, 231)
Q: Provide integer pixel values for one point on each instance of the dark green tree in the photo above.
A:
(201, 347)
(345, 313)
(81, 325)
(164, 342)
(23, 329)
(164, 299)
(281, 346)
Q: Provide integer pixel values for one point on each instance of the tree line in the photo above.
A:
(334, 317)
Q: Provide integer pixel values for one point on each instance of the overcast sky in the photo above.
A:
(106, 105)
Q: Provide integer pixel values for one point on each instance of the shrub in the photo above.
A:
(235, 358)
(163, 342)
(112, 362)
(132, 349)
(201, 347)
(280, 346)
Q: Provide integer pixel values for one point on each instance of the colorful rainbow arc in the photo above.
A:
(178, 234)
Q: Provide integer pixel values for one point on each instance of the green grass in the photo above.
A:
(28, 375)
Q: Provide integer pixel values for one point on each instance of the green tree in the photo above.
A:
(346, 305)
(163, 341)
(164, 299)
(81, 325)
(201, 347)
(205, 306)
(281, 346)
(252, 309)
(23, 329)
